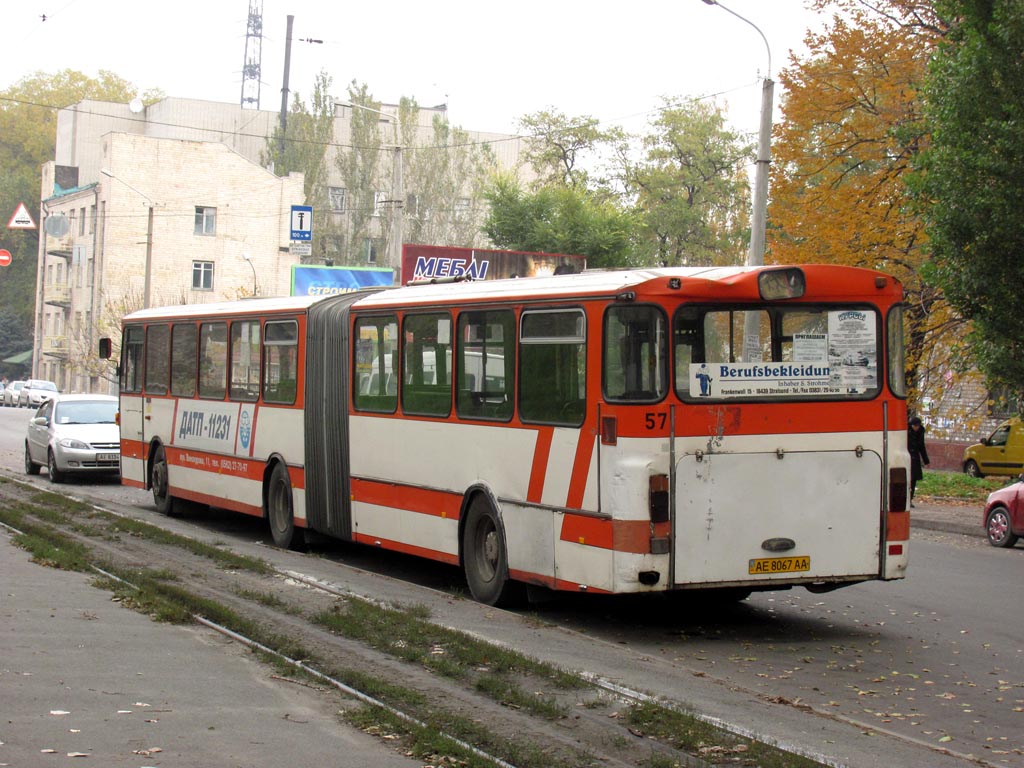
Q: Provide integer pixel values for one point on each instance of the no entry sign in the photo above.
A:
(5, 257)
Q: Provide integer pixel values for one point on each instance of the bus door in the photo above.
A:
(133, 439)
(750, 516)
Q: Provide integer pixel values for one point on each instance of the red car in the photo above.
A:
(1004, 515)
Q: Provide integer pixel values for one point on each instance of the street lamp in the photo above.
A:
(146, 290)
(397, 192)
(248, 258)
(755, 256)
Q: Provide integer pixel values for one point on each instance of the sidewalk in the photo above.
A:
(950, 517)
(82, 676)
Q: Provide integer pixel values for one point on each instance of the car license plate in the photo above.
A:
(767, 565)
(108, 456)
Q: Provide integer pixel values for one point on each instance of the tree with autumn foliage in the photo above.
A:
(853, 125)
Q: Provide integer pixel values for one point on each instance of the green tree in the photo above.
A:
(28, 134)
(359, 168)
(559, 219)
(972, 177)
(445, 182)
(308, 135)
(559, 147)
(691, 189)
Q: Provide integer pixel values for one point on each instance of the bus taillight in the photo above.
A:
(609, 430)
(658, 498)
(897, 489)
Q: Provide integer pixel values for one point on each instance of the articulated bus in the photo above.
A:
(736, 429)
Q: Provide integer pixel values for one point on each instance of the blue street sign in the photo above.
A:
(302, 222)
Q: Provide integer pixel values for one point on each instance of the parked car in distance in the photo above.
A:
(9, 397)
(35, 392)
(74, 434)
(1001, 453)
(1004, 515)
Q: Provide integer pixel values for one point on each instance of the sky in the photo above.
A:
(491, 63)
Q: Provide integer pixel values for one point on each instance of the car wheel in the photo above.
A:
(56, 476)
(280, 511)
(31, 468)
(165, 503)
(485, 557)
(997, 527)
(972, 468)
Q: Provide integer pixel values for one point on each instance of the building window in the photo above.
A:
(379, 202)
(81, 221)
(336, 196)
(370, 247)
(462, 208)
(202, 275)
(206, 221)
(92, 219)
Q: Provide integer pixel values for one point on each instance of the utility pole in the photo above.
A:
(284, 88)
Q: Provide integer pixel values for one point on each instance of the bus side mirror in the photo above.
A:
(105, 348)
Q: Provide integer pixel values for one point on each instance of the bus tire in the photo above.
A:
(280, 512)
(165, 503)
(485, 556)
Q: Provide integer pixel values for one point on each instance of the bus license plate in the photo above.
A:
(779, 565)
(108, 456)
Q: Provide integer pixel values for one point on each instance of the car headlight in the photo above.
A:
(77, 445)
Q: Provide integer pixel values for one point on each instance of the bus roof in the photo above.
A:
(738, 283)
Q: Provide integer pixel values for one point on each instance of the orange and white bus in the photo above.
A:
(738, 428)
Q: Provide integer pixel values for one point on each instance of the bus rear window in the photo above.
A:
(776, 352)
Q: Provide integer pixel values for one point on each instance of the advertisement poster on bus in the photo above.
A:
(328, 281)
(842, 361)
(436, 262)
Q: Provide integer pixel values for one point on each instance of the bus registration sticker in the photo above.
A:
(769, 565)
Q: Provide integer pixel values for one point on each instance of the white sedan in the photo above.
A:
(74, 434)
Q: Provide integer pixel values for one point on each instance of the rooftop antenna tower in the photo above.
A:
(253, 55)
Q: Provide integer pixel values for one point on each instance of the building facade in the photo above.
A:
(171, 204)
(151, 222)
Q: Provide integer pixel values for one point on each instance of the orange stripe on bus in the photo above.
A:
(421, 500)
(408, 549)
(581, 468)
(620, 535)
(554, 583)
(538, 473)
(897, 526)
(231, 466)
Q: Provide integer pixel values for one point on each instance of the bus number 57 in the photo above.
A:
(654, 420)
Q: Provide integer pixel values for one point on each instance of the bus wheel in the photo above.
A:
(158, 480)
(280, 515)
(485, 557)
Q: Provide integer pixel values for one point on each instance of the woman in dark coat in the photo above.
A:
(918, 453)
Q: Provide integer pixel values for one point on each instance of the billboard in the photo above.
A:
(327, 281)
(436, 262)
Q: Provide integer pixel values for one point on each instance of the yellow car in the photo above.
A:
(1001, 453)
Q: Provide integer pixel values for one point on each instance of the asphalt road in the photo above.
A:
(936, 659)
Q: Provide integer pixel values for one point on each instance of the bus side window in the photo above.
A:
(131, 359)
(426, 367)
(245, 360)
(213, 360)
(688, 342)
(280, 361)
(158, 350)
(183, 360)
(552, 367)
(486, 364)
(376, 364)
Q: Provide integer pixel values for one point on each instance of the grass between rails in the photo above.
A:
(405, 633)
